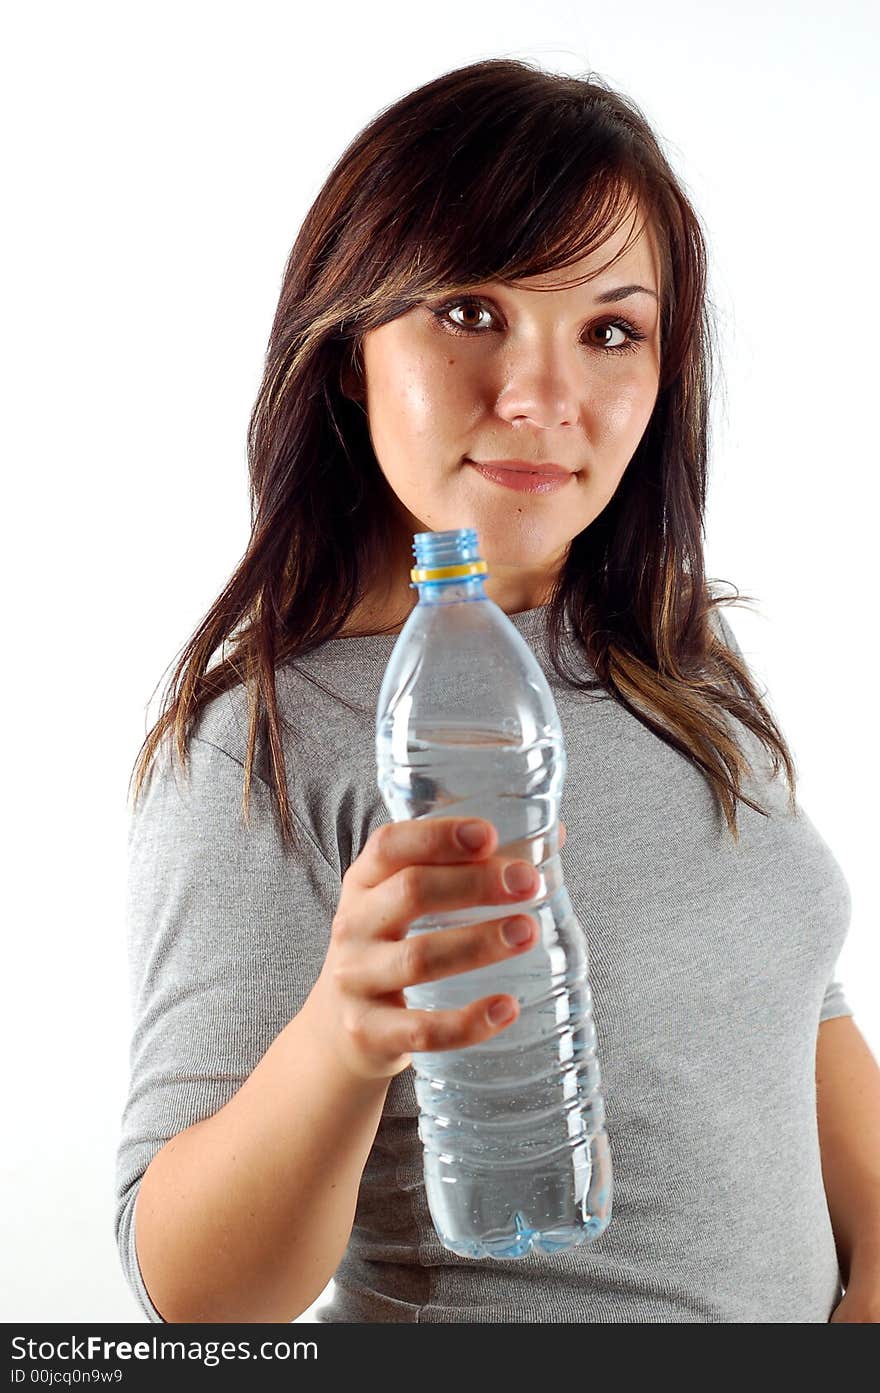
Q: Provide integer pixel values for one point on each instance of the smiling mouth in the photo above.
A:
(549, 471)
(522, 480)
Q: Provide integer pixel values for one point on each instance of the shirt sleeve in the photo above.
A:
(834, 1002)
(227, 933)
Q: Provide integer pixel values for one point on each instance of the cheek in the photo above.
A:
(421, 395)
(624, 411)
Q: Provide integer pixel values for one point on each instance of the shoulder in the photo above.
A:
(222, 726)
(203, 792)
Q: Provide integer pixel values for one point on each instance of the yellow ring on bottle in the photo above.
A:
(468, 568)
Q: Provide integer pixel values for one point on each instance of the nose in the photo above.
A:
(546, 385)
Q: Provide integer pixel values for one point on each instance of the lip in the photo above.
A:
(522, 477)
(554, 471)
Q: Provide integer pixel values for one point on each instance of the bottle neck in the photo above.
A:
(451, 592)
(449, 585)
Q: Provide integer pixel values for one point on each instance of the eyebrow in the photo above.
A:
(608, 297)
(621, 292)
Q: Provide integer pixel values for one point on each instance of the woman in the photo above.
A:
(501, 267)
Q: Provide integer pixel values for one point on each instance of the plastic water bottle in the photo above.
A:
(516, 1155)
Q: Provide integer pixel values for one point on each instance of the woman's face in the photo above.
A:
(569, 375)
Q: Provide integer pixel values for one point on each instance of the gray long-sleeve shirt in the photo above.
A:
(711, 966)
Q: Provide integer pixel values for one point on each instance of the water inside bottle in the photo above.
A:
(516, 1156)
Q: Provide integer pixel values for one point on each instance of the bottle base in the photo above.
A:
(525, 1240)
(542, 1207)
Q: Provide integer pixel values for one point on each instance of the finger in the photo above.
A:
(439, 953)
(420, 1032)
(417, 841)
(389, 910)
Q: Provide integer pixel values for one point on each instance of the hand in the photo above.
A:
(408, 869)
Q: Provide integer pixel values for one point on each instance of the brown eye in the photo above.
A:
(610, 329)
(631, 336)
(473, 310)
(466, 307)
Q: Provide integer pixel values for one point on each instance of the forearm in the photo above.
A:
(245, 1215)
(848, 1112)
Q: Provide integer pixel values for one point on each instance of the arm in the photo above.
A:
(242, 1143)
(848, 1111)
(246, 1215)
(848, 1115)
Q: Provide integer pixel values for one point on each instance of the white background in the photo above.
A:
(159, 160)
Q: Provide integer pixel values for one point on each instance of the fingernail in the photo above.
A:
(500, 1011)
(518, 877)
(516, 931)
(472, 835)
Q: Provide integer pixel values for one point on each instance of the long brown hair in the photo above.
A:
(497, 170)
